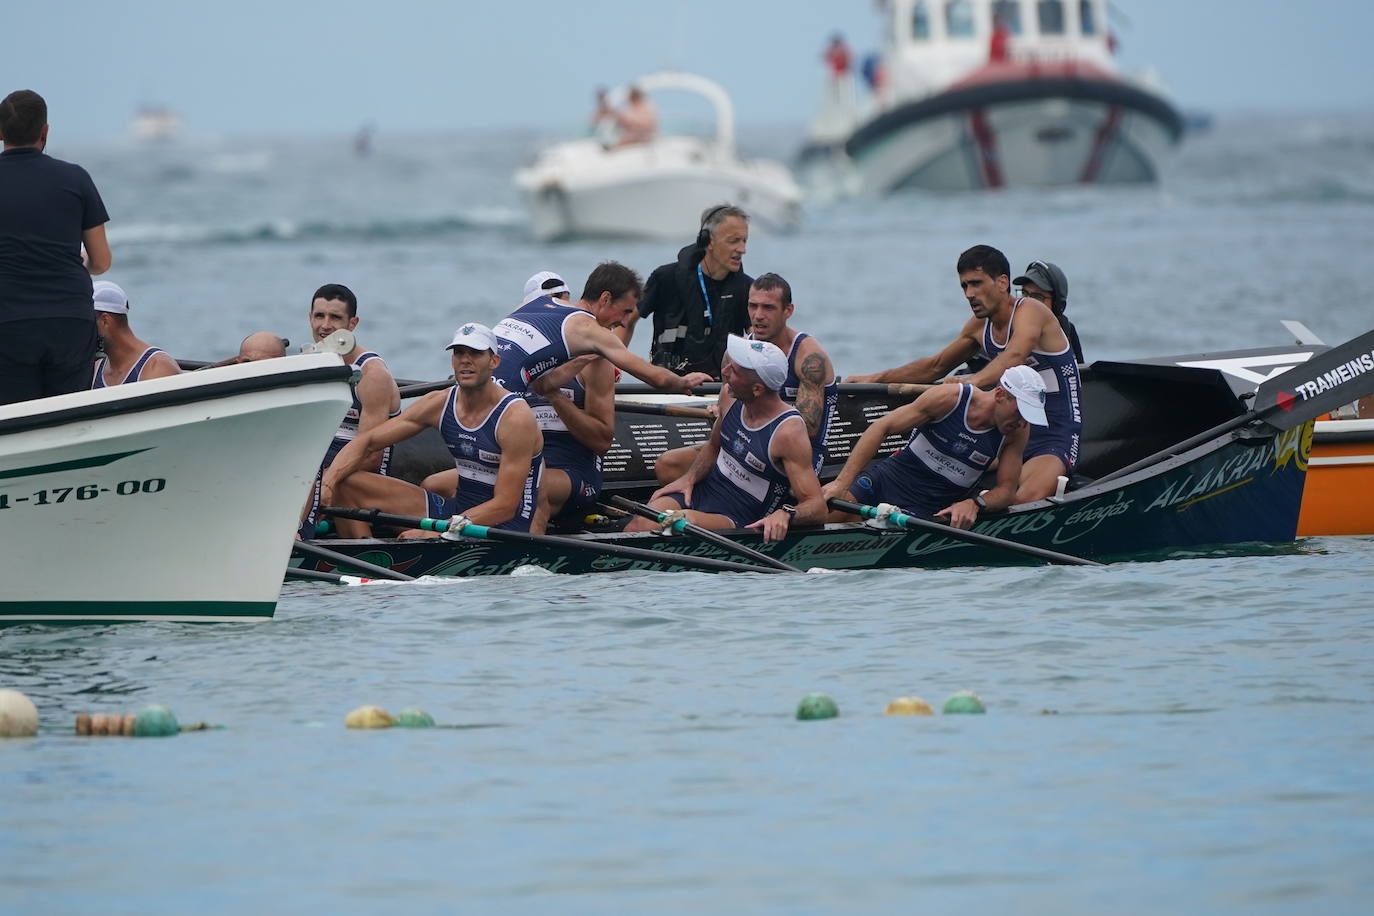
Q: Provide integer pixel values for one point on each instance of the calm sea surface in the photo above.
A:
(1179, 736)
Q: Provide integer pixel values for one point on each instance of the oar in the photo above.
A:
(343, 559)
(696, 531)
(415, 389)
(959, 534)
(546, 540)
(316, 575)
(664, 410)
(874, 389)
(1328, 380)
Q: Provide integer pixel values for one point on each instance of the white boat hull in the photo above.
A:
(173, 499)
(1028, 143)
(665, 205)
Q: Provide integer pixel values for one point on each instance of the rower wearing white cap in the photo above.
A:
(956, 433)
(546, 283)
(757, 453)
(126, 358)
(490, 432)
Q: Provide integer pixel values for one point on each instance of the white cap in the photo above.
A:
(534, 286)
(108, 297)
(767, 361)
(474, 336)
(1025, 384)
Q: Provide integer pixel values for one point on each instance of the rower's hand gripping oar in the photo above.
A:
(483, 532)
(705, 534)
(1328, 380)
(902, 520)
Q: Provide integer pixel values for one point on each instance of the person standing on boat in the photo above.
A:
(490, 432)
(562, 358)
(811, 386)
(376, 397)
(51, 211)
(1009, 331)
(637, 120)
(699, 300)
(758, 453)
(956, 432)
(126, 358)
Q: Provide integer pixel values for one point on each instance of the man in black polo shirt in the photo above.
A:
(49, 209)
(701, 299)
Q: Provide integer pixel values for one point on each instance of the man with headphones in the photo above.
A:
(700, 299)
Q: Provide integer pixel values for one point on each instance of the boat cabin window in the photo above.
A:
(959, 19)
(1085, 17)
(1051, 16)
(920, 21)
(1009, 11)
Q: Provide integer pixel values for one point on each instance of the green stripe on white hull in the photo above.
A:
(19, 612)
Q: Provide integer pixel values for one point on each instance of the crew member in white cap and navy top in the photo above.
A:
(759, 453)
(125, 357)
(956, 433)
(490, 432)
(546, 283)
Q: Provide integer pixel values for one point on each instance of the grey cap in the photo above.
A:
(1048, 277)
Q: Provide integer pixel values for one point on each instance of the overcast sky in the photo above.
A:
(251, 66)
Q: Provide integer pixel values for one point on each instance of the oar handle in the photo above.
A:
(903, 520)
(705, 534)
(664, 410)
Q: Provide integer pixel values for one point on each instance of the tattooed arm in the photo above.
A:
(815, 372)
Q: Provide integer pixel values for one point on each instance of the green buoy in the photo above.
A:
(965, 702)
(817, 706)
(155, 722)
(414, 717)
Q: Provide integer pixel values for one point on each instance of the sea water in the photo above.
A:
(1179, 735)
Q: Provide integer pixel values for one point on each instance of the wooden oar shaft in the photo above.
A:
(548, 540)
(704, 534)
(972, 537)
(342, 559)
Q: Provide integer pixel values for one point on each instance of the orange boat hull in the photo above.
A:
(1338, 497)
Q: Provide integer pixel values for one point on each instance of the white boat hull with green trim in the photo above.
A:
(172, 499)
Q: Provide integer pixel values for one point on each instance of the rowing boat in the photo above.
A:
(1179, 454)
(171, 499)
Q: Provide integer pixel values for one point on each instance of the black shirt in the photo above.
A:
(683, 339)
(45, 206)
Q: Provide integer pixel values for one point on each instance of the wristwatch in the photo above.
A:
(978, 501)
(791, 511)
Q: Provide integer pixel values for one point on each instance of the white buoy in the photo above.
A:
(18, 715)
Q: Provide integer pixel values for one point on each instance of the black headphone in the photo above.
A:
(704, 236)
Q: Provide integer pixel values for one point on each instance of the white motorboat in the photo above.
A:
(657, 189)
(171, 499)
(155, 124)
(1039, 103)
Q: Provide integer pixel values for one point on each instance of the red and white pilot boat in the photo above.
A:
(989, 94)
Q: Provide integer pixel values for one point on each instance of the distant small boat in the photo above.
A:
(155, 124)
(656, 189)
(966, 104)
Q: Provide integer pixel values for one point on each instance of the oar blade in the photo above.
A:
(1328, 380)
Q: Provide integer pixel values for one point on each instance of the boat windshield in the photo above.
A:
(959, 19)
(1085, 17)
(1009, 12)
(920, 21)
(1050, 14)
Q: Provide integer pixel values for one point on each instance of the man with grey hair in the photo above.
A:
(700, 299)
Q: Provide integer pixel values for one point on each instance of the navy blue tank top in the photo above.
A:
(1059, 371)
(945, 458)
(477, 455)
(745, 484)
(135, 374)
(530, 341)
